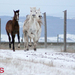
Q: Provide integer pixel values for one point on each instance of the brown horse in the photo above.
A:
(12, 28)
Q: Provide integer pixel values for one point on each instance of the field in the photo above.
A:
(40, 62)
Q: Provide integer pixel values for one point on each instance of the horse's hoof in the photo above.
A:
(13, 50)
(26, 50)
(19, 45)
(34, 49)
(30, 45)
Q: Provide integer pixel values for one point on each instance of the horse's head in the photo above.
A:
(16, 14)
(38, 14)
(33, 12)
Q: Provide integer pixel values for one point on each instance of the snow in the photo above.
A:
(40, 62)
(70, 38)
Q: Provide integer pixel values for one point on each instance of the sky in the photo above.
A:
(51, 7)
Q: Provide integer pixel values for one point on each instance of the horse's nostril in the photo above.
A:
(40, 16)
(33, 15)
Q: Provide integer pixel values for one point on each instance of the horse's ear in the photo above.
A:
(13, 10)
(18, 10)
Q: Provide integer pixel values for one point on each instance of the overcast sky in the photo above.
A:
(51, 7)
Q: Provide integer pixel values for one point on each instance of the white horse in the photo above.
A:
(38, 17)
(32, 28)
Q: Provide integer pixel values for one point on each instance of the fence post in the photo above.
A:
(65, 18)
(0, 30)
(45, 27)
(57, 38)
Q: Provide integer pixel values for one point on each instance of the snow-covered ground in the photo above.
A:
(40, 62)
(70, 38)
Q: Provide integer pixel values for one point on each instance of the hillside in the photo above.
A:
(55, 25)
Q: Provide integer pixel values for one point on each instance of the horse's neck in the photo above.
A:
(32, 20)
(14, 20)
(39, 19)
(15, 23)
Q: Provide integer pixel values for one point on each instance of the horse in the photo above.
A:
(12, 28)
(39, 20)
(31, 28)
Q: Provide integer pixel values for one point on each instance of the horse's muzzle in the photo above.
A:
(33, 15)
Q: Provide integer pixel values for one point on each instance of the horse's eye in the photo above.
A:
(30, 11)
(36, 12)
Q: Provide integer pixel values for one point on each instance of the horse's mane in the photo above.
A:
(39, 21)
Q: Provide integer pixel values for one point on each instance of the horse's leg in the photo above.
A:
(25, 41)
(9, 40)
(18, 40)
(13, 36)
(35, 43)
(30, 44)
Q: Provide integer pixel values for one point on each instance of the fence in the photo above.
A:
(0, 29)
(51, 34)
